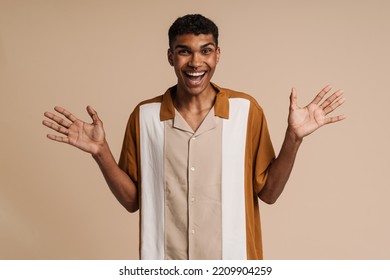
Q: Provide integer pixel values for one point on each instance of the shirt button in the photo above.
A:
(193, 138)
(193, 231)
(192, 199)
(192, 168)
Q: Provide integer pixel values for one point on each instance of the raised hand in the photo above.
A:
(85, 136)
(304, 121)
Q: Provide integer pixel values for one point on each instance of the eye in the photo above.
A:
(183, 52)
(207, 51)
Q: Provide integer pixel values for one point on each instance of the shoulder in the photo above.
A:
(154, 100)
(135, 112)
(234, 94)
(160, 106)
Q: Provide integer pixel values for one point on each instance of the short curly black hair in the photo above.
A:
(192, 24)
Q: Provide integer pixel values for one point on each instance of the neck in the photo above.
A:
(194, 103)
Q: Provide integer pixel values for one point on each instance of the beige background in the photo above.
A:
(54, 203)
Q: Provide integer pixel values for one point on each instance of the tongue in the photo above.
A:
(197, 78)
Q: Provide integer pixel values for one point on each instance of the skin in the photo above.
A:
(193, 99)
(90, 138)
(194, 54)
(301, 123)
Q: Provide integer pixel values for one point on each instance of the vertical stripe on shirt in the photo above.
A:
(233, 182)
(152, 196)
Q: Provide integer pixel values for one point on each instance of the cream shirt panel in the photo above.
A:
(193, 189)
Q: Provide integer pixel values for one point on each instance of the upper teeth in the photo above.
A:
(195, 74)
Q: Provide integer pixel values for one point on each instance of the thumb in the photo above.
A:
(293, 99)
(93, 115)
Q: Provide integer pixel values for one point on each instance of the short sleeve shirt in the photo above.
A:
(198, 189)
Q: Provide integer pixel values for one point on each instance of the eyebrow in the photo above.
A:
(187, 47)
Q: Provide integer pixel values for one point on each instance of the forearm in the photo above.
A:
(280, 169)
(118, 181)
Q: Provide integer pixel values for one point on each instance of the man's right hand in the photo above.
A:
(89, 137)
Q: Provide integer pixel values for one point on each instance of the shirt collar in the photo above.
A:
(207, 124)
(221, 105)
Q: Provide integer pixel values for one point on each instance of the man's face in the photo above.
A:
(194, 58)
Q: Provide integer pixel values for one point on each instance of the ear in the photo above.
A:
(170, 56)
(218, 53)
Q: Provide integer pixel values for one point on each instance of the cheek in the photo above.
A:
(177, 70)
(213, 61)
(213, 64)
(178, 62)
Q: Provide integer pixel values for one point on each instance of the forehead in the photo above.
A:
(193, 41)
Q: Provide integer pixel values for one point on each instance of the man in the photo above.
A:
(196, 159)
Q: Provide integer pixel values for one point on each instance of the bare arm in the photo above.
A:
(90, 138)
(301, 122)
(119, 182)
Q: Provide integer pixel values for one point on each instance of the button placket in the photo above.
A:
(192, 173)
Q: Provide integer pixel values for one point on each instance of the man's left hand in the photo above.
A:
(306, 120)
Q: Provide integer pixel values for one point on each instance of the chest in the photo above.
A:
(193, 119)
(190, 183)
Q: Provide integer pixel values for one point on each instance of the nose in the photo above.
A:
(195, 61)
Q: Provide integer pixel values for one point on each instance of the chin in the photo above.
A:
(196, 90)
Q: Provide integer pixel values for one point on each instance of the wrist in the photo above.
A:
(292, 136)
(100, 150)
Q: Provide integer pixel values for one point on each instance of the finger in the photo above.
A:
(57, 119)
(334, 119)
(58, 138)
(93, 115)
(331, 98)
(293, 99)
(55, 127)
(66, 113)
(321, 94)
(331, 107)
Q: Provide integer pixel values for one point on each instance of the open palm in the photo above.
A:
(85, 136)
(306, 120)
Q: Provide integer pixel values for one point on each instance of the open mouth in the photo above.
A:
(195, 78)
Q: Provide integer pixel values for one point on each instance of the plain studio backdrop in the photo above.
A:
(54, 202)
